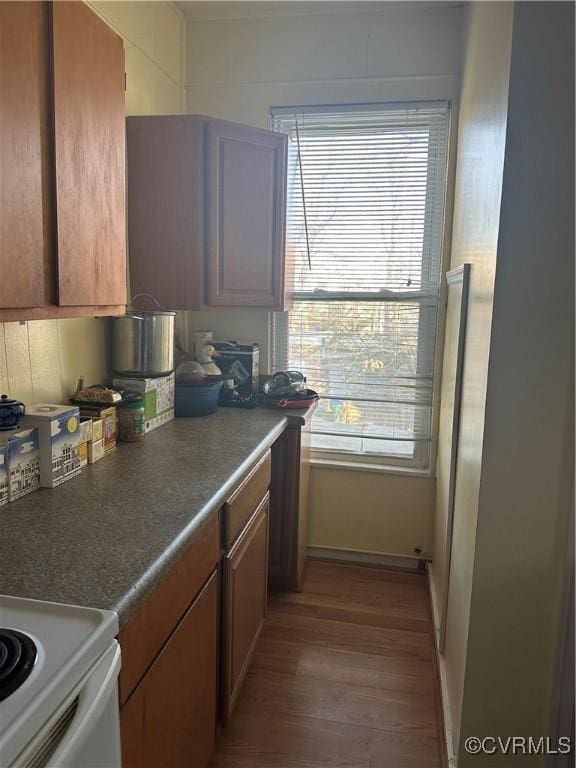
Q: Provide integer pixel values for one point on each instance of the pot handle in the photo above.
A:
(148, 295)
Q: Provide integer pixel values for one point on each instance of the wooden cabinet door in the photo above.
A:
(246, 193)
(89, 136)
(170, 719)
(166, 208)
(245, 592)
(24, 153)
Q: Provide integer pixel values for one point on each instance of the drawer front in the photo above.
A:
(245, 593)
(147, 630)
(241, 505)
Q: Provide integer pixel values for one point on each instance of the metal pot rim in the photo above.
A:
(147, 312)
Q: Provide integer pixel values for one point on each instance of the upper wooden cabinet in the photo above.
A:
(246, 182)
(62, 140)
(25, 225)
(206, 212)
(89, 142)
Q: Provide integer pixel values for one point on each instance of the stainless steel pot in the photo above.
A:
(143, 343)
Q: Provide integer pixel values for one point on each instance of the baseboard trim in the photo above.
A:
(448, 757)
(362, 556)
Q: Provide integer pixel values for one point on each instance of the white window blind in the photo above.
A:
(369, 183)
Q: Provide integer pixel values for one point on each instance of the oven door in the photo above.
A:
(86, 729)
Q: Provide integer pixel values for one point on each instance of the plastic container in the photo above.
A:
(131, 419)
(197, 399)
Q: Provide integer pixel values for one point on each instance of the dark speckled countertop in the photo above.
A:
(105, 538)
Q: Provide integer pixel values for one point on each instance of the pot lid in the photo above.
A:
(5, 400)
(131, 400)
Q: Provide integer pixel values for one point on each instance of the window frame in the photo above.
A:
(422, 461)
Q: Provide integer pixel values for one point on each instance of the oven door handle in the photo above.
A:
(94, 694)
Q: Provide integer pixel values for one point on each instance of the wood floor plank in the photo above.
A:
(354, 589)
(343, 635)
(398, 750)
(326, 607)
(361, 585)
(343, 677)
(386, 672)
(327, 573)
(291, 742)
(276, 695)
(277, 655)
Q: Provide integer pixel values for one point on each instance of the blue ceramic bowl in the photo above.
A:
(196, 399)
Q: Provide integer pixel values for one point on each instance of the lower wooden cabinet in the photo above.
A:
(188, 647)
(245, 569)
(170, 718)
(289, 500)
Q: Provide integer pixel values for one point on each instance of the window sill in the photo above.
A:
(361, 466)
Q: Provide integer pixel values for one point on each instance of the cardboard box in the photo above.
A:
(241, 362)
(83, 454)
(158, 421)
(85, 430)
(158, 394)
(3, 475)
(59, 437)
(21, 453)
(109, 423)
(96, 451)
(97, 430)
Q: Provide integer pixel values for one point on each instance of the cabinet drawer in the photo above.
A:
(245, 582)
(145, 633)
(241, 505)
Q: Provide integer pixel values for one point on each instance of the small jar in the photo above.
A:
(131, 418)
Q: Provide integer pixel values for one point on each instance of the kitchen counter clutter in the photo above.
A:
(106, 538)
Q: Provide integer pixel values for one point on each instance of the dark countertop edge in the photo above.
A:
(296, 417)
(146, 584)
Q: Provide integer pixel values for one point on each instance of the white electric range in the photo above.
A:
(59, 668)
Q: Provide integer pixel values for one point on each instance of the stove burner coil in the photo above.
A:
(17, 657)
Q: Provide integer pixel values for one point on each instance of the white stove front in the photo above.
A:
(71, 642)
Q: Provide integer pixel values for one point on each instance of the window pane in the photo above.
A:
(370, 362)
(363, 445)
(366, 208)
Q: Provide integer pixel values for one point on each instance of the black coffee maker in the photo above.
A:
(240, 366)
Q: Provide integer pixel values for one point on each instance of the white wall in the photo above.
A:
(312, 53)
(513, 220)
(153, 34)
(477, 198)
(41, 360)
(528, 453)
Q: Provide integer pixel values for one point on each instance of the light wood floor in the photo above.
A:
(343, 677)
